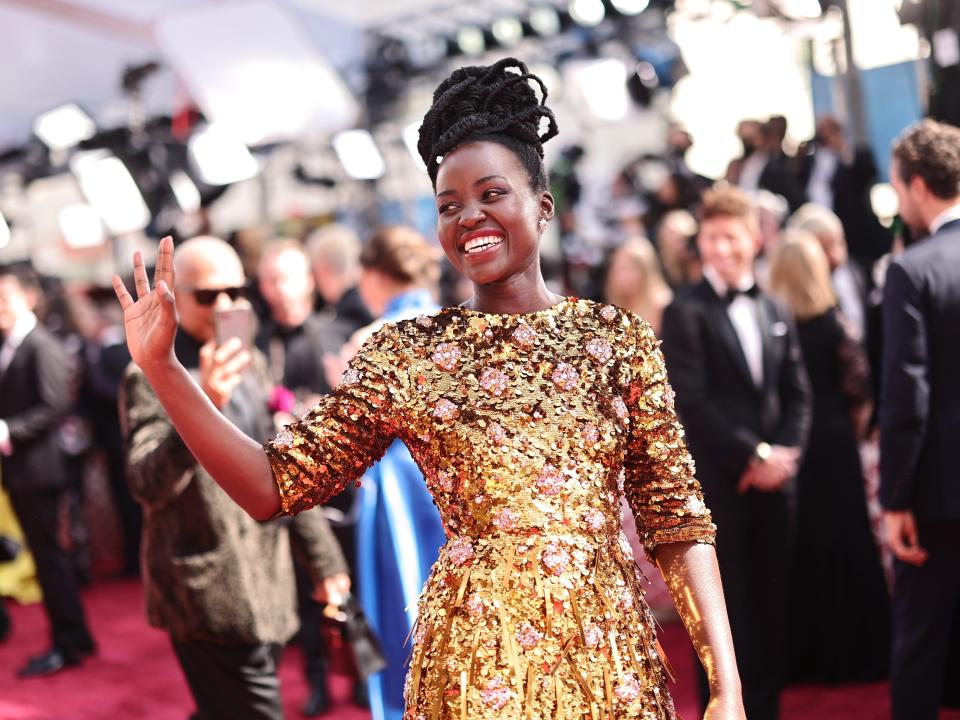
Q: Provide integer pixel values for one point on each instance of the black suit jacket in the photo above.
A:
(920, 405)
(725, 414)
(34, 396)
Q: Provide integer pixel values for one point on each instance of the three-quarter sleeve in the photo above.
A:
(334, 443)
(660, 482)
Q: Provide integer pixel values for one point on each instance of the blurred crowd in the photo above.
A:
(787, 402)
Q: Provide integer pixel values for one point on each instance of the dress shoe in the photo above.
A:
(52, 661)
(317, 704)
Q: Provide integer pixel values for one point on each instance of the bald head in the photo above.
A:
(204, 263)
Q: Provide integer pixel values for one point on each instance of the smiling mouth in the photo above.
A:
(477, 245)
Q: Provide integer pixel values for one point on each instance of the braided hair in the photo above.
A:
(494, 103)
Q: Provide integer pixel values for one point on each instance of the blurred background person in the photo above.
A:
(635, 282)
(334, 252)
(920, 418)
(676, 240)
(218, 582)
(839, 178)
(744, 399)
(35, 394)
(294, 339)
(764, 164)
(399, 532)
(772, 211)
(839, 590)
(847, 278)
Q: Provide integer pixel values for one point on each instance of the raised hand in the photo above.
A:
(150, 321)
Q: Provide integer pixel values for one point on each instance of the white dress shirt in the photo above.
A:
(752, 169)
(743, 315)
(21, 328)
(949, 215)
(820, 185)
(849, 298)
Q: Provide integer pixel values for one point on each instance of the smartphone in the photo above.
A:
(236, 322)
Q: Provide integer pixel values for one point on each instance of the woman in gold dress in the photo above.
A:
(529, 415)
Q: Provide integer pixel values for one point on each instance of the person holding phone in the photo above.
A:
(219, 582)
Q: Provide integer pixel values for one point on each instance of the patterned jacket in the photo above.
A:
(211, 572)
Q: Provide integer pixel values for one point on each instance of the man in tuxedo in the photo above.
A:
(920, 417)
(744, 399)
(335, 255)
(34, 396)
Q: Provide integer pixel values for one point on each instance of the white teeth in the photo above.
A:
(481, 243)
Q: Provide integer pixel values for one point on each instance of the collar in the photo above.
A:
(21, 328)
(949, 215)
(721, 288)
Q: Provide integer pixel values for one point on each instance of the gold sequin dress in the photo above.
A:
(527, 429)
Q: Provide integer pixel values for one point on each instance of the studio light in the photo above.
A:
(411, 136)
(81, 227)
(63, 127)
(4, 232)
(470, 40)
(111, 190)
(603, 86)
(359, 155)
(220, 157)
(507, 31)
(587, 13)
(630, 7)
(544, 20)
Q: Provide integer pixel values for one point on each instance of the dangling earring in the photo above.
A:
(542, 224)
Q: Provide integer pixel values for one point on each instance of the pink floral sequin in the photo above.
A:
(424, 321)
(506, 519)
(497, 434)
(528, 636)
(460, 551)
(628, 690)
(555, 559)
(445, 481)
(590, 434)
(600, 349)
(496, 694)
(550, 480)
(475, 606)
(608, 313)
(445, 410)
(284, 439)
(696, 506)
(525, 336)
(594, 520)
(351, 376)
(446, 356)
(620, 408)
(565, 376)
(494, 381)
(592, 635)
(669, 397)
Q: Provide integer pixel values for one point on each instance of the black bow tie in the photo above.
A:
(733, 293)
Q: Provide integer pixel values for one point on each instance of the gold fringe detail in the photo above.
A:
(528, 703)
(463, 588)
(438, 699)
(415, 681)
(576, 614)
(608, 690)
(558, 685)
(563, 653)
(547, 605)
(617, 663)
(464, 689)
(666, 662)
(473, 651)
(583, 683)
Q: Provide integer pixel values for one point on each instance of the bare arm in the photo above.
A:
(237, 463)
(692, 575)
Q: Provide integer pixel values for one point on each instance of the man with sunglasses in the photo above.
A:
(218, 582)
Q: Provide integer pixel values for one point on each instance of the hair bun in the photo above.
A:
(485, 100)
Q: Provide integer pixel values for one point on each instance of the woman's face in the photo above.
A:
(488, 213)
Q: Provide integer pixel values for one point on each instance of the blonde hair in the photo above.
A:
(818, 220)
(800, 275)
(654, 288)
(336, 246)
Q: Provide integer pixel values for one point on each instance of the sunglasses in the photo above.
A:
(208, 296)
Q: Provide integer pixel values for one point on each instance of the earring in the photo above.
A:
(542, 223)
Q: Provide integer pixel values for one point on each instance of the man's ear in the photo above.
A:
(918, 188)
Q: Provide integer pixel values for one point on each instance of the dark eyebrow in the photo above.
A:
(481, 181)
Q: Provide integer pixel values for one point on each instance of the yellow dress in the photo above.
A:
(527, 429)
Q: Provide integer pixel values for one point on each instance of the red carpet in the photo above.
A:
(135, 676)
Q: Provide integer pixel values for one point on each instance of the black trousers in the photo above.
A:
(754, 534)
(925, 601)
(38, 513)
(232, 682)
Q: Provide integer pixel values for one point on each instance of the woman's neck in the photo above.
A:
(516, 296)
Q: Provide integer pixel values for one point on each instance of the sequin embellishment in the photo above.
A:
(445, 410)
(495, 693)
(494, 381)
(565, 376)
(460, 551)
(446, 356)
(600, 349)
